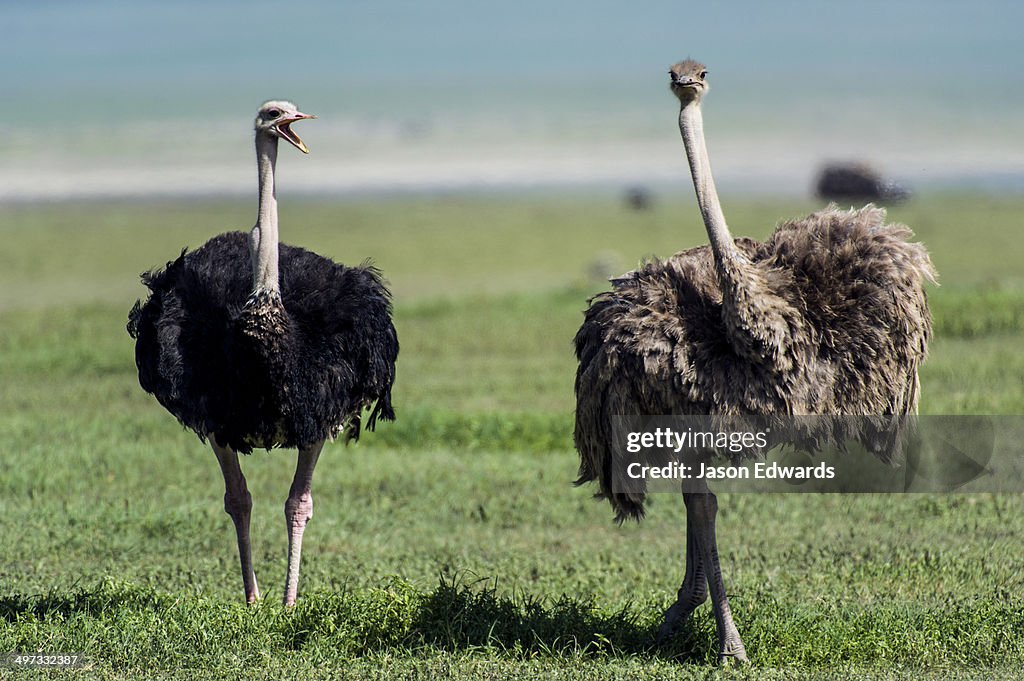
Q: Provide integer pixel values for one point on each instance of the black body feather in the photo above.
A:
(261, 371)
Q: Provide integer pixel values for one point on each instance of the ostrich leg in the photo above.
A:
(694, 589)
(297, 512)
(704, 507)
(238, 504)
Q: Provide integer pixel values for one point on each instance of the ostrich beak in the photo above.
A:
(683, 82)
(284, 129)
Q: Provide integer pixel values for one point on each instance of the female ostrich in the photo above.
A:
(253, 344)
(826, 317)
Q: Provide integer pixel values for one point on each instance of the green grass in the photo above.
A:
(451, 543)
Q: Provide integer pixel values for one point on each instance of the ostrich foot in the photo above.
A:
(732, 653)
(675, 617)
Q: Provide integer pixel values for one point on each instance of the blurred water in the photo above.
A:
(112, 98)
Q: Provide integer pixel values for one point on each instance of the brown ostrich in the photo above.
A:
(828, 316)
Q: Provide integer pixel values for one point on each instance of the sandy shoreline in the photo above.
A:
(764, 169)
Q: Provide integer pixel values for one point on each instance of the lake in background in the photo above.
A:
(106, 98)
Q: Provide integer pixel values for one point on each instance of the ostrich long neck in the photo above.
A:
(757, 320)
(264, 236)
(691, 126)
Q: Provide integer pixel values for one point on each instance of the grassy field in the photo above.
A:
(450, 543)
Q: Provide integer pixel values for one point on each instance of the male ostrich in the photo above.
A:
(827, 317)
(253, 344)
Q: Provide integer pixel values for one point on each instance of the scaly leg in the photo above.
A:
(694, 589)
(297, 512)
(238, 504)
(704, 508)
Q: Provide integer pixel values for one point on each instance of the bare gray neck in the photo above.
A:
(691, 127)
(264, 237)
(757, 321)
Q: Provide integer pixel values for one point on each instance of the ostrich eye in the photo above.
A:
(703, 75)
(273, 113)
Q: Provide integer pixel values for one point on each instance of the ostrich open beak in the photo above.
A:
(284, 130)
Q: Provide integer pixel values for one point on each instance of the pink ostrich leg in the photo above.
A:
(238, 505)
(297, 512)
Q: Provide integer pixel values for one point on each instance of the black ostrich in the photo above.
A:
(248, 357)
(828, 316)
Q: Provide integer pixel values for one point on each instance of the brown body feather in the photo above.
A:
(827, 317)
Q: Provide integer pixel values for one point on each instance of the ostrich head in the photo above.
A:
(275, 119)
(687, 81)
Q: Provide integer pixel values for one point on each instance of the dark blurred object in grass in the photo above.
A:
(859, 182)
(639, 198)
